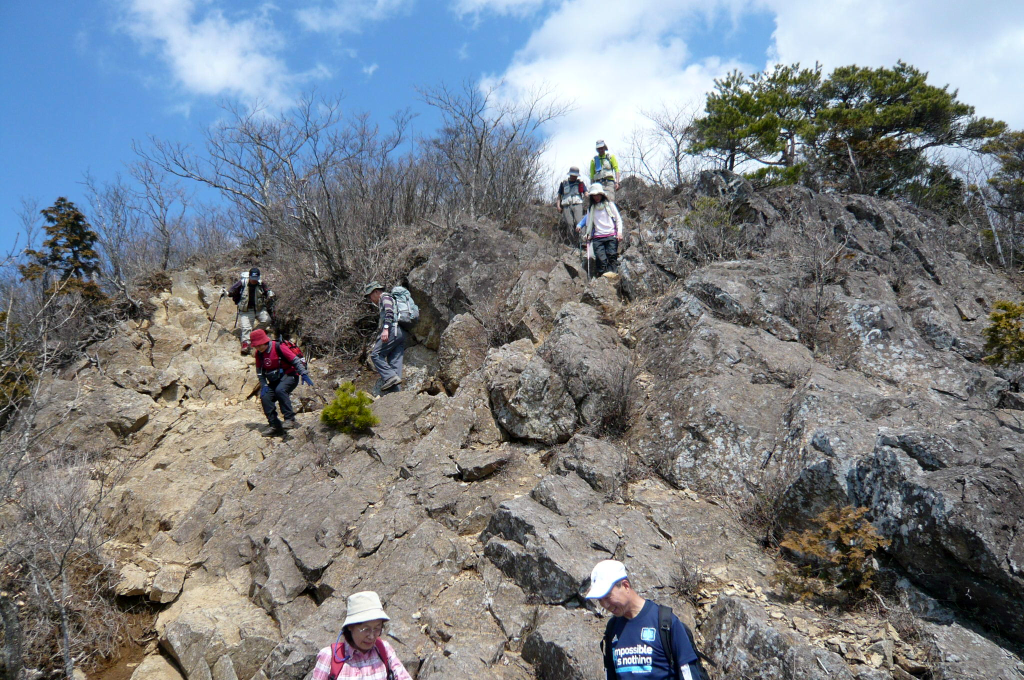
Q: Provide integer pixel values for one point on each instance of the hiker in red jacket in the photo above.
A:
(363, 653)
(279, 370)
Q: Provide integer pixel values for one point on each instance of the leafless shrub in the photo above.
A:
(692, 579)
(621, 403)
(716, 236)
(51, 567)
(659, 150)
(489, 147)
(823, 262)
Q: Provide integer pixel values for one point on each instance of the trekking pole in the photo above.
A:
(235, 325)
(215, 310)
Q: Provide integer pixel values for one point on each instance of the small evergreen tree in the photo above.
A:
(1004, 337)
(839, 553)
(69, 261)
(350, 411)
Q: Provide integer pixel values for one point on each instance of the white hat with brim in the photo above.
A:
(363, 607)
(604, 577)
(596, 189)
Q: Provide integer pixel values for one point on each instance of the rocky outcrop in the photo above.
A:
(476, 511)
(529, 399)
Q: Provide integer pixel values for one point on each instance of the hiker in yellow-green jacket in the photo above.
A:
(604, 168)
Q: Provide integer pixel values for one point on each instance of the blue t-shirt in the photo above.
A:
(636, 646)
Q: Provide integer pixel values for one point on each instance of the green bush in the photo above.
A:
(835, 559)
(1004, 337)
(350, 411)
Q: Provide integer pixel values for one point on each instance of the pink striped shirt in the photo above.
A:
(363, 665)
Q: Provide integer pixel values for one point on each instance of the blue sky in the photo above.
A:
(83, 79)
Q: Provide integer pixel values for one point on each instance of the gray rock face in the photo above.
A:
(741, 402)
(590, 358)
(463, 348)
(598, 462)
(528, 398)
(469, 272)
(742, 643)
(566, 645)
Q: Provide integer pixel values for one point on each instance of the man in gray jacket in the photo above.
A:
(389, 347)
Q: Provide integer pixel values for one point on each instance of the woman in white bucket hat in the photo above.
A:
(360, 650)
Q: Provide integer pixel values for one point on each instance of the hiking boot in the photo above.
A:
(611, 275)
(390, 382)
(245, 348)
(272, 430)
(290, 424)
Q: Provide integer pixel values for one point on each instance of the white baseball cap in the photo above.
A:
(604, 577)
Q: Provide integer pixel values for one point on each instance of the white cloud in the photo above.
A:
(976, 48)
(371, 69)
(504, 7)
(349, 15)
(210, 54)
(463, 52)
(640, 51)
(612, 64)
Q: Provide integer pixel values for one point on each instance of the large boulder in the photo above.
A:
(471, 271)
(463, 348)
(566, 645)
(528, 398)
(742, 643)
(591, 359)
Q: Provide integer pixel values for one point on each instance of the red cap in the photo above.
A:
(258, 337)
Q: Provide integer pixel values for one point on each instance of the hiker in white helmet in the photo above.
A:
(604, 168)
(571, 193)
(602, 230)
(642, 639)
(361, 650)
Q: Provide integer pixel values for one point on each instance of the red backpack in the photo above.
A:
(338, 661)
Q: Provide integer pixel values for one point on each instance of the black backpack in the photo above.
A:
(665, 632)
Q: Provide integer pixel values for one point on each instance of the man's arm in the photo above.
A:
(235, 291)
(615, 167)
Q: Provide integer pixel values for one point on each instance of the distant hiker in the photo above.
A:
(389, 346)
(254, 301)
(642, 639)
(363, 653)
(602, 230)
(604, 168)
(279, 370)
(571, 193)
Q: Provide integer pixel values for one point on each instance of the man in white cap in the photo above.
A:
(643, 639)
(570, 199)
(363, 653)
(604, 168)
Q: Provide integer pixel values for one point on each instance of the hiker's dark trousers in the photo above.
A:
(606, 254)
(387, 356)
(280, 392)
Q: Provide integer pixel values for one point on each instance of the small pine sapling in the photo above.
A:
(1004, 337)
(350, 411)
(836, 558)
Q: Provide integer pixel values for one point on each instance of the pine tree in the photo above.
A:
(1008, 180)
(69, 261)
(872, 134)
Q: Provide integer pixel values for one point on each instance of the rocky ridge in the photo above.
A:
(478, 512)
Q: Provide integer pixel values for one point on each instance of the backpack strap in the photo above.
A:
(382, 652)
(606, 647)
(338, 658)
(665, 630)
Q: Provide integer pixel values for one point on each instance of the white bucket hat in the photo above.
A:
(362, 607)
(604, 577)
(596, 188)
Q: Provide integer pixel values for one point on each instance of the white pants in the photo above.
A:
(247, 321)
